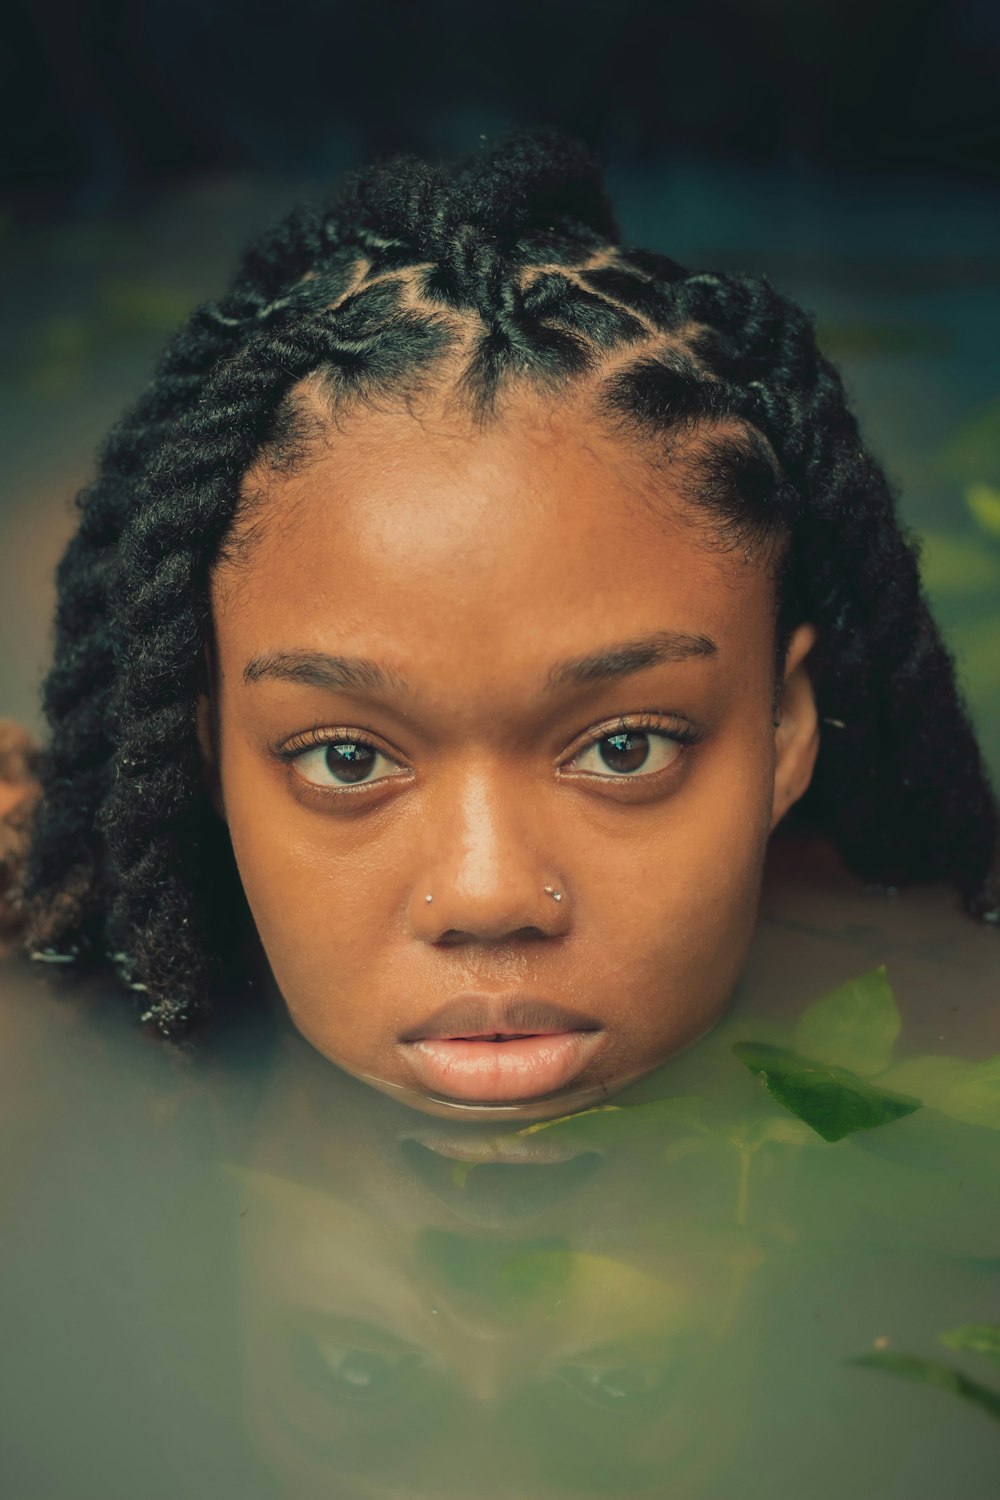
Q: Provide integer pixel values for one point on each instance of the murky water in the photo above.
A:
(238, 1272)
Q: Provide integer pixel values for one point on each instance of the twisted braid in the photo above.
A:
(155, 818)
(902, 801)
(78, 692)
(64, 883)
(503, 269)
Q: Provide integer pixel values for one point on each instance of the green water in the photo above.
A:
(237, 1272)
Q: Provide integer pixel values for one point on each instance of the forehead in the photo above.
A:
(543, 527)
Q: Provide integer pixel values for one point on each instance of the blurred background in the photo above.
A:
(848, 150)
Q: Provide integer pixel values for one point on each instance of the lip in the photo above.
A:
(458, 1050)
(477, 1013)
(503, 1150)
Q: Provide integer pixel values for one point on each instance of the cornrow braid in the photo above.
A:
(502, 269)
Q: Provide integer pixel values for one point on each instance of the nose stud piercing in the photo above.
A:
(556, 895)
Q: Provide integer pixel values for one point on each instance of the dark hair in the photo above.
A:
(501, 269)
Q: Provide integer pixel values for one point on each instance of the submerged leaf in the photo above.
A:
(963, 1090)
(785, 1132)
(832, 1101)
(855, 1026)
(930, 1372)
(977, 1338)
(560, 1283)
(460, 1172)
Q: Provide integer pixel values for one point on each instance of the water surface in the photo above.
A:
(233, 1271)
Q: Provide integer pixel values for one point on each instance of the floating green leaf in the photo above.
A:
(832, 1101)
(977, 1338)
(963, 1090)
(598, 1109)
(854, 1027)
(930, 1372)
(983, 501)
(615, 1122)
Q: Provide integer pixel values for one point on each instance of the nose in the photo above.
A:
(487, 869)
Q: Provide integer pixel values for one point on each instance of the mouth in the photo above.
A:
(500, 1049)
(506, 1149)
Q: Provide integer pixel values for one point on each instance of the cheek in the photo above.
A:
(318, 904)
(688, 891)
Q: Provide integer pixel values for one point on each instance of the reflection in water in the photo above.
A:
(238, 1272)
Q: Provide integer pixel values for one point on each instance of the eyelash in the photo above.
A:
(649, 722)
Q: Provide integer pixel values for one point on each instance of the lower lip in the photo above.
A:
(487, 1072)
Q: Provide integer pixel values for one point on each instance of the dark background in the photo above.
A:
(97, 96)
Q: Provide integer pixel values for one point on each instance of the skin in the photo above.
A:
(469, 563)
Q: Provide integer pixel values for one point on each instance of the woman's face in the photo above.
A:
(485, 668)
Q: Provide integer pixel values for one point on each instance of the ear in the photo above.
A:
(208, 739)
(796, 732)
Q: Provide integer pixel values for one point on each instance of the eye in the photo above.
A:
(629, 752)
(615, 1386)
(360, 1368)
(365, 1374)
(346, 762)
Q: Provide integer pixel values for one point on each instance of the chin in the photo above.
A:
(507, 1113)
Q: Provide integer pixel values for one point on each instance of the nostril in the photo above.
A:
(455, 935)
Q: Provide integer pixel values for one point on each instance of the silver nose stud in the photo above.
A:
(549, 891)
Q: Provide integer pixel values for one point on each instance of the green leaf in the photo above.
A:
(831, 1101)
(851, 340)
(855, 1026)
(785, 1132)
(460, 1172)
(983, 501)
(615, 1122)
(598, 1109)
(930, 1372)
(963, 1090)
(976, 645)
(973, 453)
(561, 1283)
(143, 307)
(956, 566)
(978, 1338)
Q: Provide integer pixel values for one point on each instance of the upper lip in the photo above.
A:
(471, 1015)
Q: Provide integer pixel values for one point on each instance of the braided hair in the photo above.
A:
(502, 269)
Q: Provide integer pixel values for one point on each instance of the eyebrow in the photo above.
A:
(621, 659)
(360, 674)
